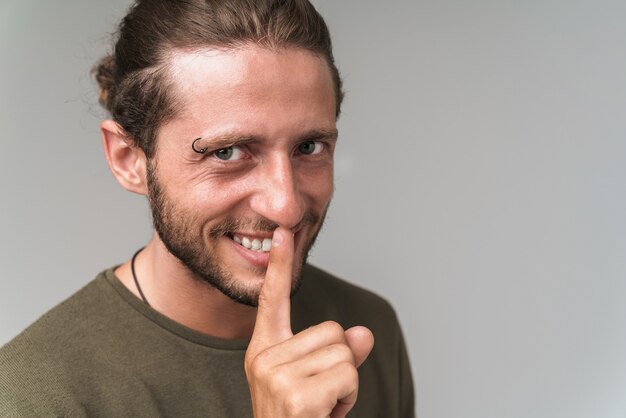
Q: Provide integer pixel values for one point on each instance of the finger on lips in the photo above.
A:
(273, 322)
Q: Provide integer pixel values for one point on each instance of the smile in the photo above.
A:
(261, 245)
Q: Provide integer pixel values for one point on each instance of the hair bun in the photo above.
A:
(103, 72)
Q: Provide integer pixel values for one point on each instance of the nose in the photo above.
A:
(278, 196)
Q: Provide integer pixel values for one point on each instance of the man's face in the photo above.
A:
(267, 121)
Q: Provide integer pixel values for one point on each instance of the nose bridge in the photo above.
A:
(279, 198)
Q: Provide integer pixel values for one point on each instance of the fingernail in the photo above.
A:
(277, 238)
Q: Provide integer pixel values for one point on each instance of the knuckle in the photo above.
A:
(249, 358)
(334, 330)
(260, 367)
(345, 353)
(350, 373)
(340, 353)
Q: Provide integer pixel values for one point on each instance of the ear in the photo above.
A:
(126, 161)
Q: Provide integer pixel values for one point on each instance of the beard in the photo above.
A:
(181, 232)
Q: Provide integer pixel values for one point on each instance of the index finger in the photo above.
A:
(273, 319)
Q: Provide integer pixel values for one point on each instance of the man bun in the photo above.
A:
(104, 72)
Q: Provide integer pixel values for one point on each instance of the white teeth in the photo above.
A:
(255, 244)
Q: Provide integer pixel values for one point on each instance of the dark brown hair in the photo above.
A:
(134, 83)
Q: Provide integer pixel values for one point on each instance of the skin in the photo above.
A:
(270, 106)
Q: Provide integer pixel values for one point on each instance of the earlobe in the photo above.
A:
(126, 161)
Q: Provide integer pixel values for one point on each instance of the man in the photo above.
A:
(224, 116)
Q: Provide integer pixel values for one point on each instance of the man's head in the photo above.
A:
(255, 81)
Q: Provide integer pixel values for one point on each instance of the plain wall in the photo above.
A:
(480, 188)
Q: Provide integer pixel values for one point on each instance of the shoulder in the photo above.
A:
(40, 360)
(73, 317)
(324, 296)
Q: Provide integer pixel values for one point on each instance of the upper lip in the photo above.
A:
(260, 235)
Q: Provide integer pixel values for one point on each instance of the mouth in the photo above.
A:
(254, 247)
(259, 244)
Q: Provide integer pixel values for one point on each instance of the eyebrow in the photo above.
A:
(228, 140)
(219, 142)
(317, 134)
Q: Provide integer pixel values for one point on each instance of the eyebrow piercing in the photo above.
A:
(193, 146)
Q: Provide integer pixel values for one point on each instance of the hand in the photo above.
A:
(310, 374)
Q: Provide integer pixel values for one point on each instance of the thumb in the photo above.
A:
(361, 341)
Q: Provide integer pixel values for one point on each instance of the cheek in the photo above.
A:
(218, 194)
(318, 185)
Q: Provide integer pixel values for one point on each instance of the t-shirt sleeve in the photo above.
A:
(407, 391)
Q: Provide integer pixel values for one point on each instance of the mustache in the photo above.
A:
(230, 225)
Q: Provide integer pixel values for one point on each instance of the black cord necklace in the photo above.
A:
(132, 269)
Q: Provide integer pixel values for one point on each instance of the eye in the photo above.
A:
(229, 154)
(310, 147)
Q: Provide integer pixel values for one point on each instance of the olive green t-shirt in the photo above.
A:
(104, 353)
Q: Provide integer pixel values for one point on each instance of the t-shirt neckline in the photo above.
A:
(169, 324)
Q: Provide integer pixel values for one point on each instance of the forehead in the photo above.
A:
(251, 86)
(245, 65)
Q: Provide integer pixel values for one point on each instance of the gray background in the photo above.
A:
(480, 187)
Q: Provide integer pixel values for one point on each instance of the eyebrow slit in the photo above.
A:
(193, 146)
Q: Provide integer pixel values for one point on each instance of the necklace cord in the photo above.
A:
(132, 269)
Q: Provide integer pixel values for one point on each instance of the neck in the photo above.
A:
(173, 291)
